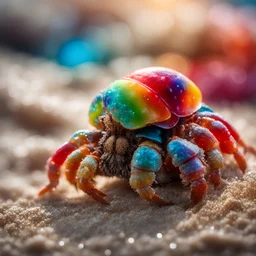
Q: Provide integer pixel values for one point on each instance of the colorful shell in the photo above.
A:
(179, 93)
(96, 110)
(150, 96)
(134, 105)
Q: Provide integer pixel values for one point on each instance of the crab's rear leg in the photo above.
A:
(79, 138)
(230, 128)
(185, 155)
(227, 142)
(146, 162)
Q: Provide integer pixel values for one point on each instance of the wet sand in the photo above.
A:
(40, 106)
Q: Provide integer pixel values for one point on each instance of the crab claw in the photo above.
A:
(87, 186)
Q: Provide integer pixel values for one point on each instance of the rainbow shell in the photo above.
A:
(150, 96)
(96, 111)
(179, 93)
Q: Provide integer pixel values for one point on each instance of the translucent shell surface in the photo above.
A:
(179, 93)
(134, 105)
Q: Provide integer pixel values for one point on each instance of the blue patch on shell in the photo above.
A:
(205, 108)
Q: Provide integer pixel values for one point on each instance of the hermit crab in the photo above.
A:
(150, 122)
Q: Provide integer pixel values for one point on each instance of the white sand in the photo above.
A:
(35, 119)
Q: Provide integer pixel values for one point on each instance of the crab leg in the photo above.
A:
(145, 162)
(205, 140)
(73, 161)
(185, 155)
(54, 163)
(230, 128)
(84, 178)
(227, 142)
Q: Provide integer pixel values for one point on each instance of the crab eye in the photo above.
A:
(133, 105)
(96, 111)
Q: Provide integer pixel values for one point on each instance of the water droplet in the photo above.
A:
(173, 246)
(61, 243)
(159, 235)
(107, 252)
(130, 240)
(81, 246)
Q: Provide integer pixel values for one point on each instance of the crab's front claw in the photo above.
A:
(86, 186)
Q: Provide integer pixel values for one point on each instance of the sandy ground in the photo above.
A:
(40, 106)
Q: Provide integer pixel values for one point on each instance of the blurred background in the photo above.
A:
(93, 42)
(55, 55)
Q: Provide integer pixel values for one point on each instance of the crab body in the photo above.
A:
(149, 123)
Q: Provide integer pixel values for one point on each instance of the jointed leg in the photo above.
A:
(230, 128)
(215, 163)
(185, 155)
(53, 166)
(79, 138)
(84, 178)
(72, 163)
(145, 162)
(205, 140)
(227, 142)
